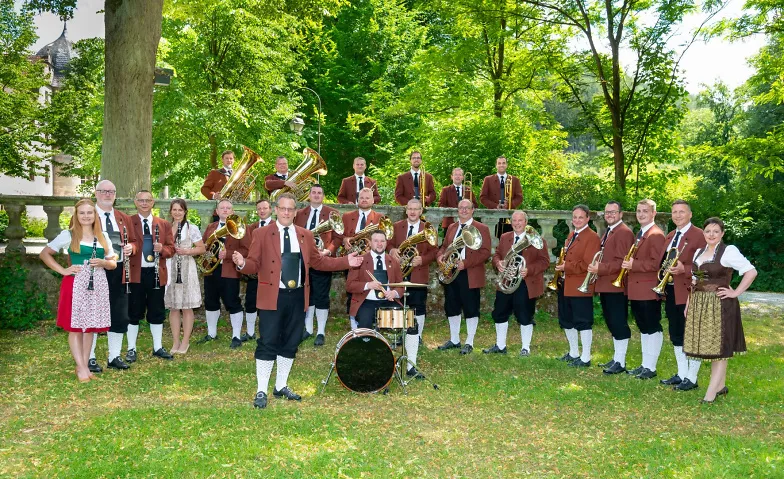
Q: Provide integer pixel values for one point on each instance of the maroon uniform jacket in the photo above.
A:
(272, 182)
(264, 259)
(536, 261)
(695, 238)
(647, 261)
(404, 189)
(355, 283)
(254, 226)
(616, 246)
(420, 274)
(348, 190)
(166, 239)
(578, 257)
(474, 259)
(214, 183)
(330, 238)
(448, 199)
(491, 192)
(228, 269)
(350, 221)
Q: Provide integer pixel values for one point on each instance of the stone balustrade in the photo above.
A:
(544, 220)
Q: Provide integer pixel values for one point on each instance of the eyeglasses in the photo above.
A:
(144, 200)
(286, 209)
(465, 208)
(106, 192)
(614, 212)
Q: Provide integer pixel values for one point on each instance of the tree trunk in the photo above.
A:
(133, 29)
(213, 152)
(619, 162)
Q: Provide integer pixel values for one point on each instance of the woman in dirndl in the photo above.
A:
(183, 291)
(83, 308)
(714, 331)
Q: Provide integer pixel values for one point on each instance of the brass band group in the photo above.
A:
(127, 268)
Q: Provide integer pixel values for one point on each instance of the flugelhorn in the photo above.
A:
(664, 274)
(590, 278)
(513, 263)
(553, 284)
(469, 238)
(408, 250)
(618, 283)
(360, 242)
(312, 164)
(209, 260)
(333, 223)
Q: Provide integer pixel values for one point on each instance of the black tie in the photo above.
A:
(109, 227)
(262, 223)
(517, 238)
(363, 222)
(361, 184)
(674, 240)
(228, 172)
(503, 189)
(410, 231)
(459, 195)
(639, 234)
(313, 220)
(604, 238)
(574, 237)
(417, 193)
(459, 231)
(282, 177)
(379, 264)
(146, 227)
(286, 240)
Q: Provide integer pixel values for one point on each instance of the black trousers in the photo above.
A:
(458, 297)
(118, 300)
(575, 312)
(647, 315)
(251, 290)
(145, 299)
(615, 308)
(676, 316)
(280, 331)
(518, 303)
(417, 300)
(320, 283)
(217, 289)
(366, 315)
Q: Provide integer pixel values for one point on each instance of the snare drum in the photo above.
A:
(364, 362)
(391, 317)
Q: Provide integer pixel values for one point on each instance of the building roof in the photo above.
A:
(58, 54)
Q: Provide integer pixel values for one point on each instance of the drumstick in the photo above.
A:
(382, 288)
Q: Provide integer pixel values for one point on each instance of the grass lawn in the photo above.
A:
(494, 416)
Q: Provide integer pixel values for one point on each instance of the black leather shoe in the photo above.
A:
(235, 343)
(319, 341)
(635, 371)
(567, 358)
(448, 345)
(287, 393)
(130, 356)
(305, 336)
(163, 354)
(117, 363)
(467, 349)
(674, 380)
(607, 364)
(93, 366)
(247, 337)
(260, 401)
(723, 391)
(579, 363)
(206, 339)
(525, 353)
(646, 374)
(615, 368)
(414, 373)
(420, 341)
(494, 350)
(685, 385)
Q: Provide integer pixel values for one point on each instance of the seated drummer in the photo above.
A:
(367, 296)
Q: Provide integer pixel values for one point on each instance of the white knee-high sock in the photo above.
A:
(156, 331)
(644, 346)
(95, 341)
(420, 323)
(133, 333)
(526, 333)
(236, 324)
(282, 374)
(500, 334)
(309, 319)
(321, 320)
(471, 324)
(115, 344)
(655, 345)
(250, 318)
(212, 322)
(412, 348)
(586, 337)
(263, 373)
(353, 320)
(680, 359)
(694, 369)
(571, 338)
(621, 345)
(454, 329)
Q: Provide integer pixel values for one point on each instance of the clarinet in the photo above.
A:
(126, 263)
(157, 258)
(179, 256)
(90, 285)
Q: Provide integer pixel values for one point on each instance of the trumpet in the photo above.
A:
(126, 263)
(590, 278)
(360, 242)
(618, 283)
(179, 257)
(333, 223)
(90, 284)
(664, 274)
(513, 263)
(208, 261)
(408, 250)
(553, 284)
(470, 238)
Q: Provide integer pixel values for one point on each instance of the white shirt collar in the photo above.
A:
(265, 220)
(500, 176)
(685, 228)
(412, 171)
(367, 213)
(610, 228)
(317, 208)
(148, 218)
(645, 228)
(581, 229)
(415, 225)
(358, 177)
(103, 212)
(471, 220)
(280, 227)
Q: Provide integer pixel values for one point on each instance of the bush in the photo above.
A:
(34, 227)
(3, 225)
(23, 305)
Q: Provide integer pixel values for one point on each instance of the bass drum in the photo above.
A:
(364, 362)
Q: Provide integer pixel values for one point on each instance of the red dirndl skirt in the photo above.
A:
(64, 308)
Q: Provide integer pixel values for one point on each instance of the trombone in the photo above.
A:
(468, 187)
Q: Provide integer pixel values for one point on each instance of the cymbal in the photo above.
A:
(406, 284)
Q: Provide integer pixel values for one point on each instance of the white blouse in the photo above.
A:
(63, 241)
(732, 258)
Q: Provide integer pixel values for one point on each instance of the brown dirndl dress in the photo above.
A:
(713, 325)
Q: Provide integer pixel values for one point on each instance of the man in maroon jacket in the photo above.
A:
(452, 195)
(351, 186)
(408, 184)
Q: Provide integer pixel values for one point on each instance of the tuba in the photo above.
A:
(312, 164)
(208, 261)
(513, 262)
(590, 278)
(408, 250)
(447, 268)
(360, 243)
(242, 180)
(553, 284)
(664, 275)
(334, 223)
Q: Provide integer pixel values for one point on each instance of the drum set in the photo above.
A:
(364, 359)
